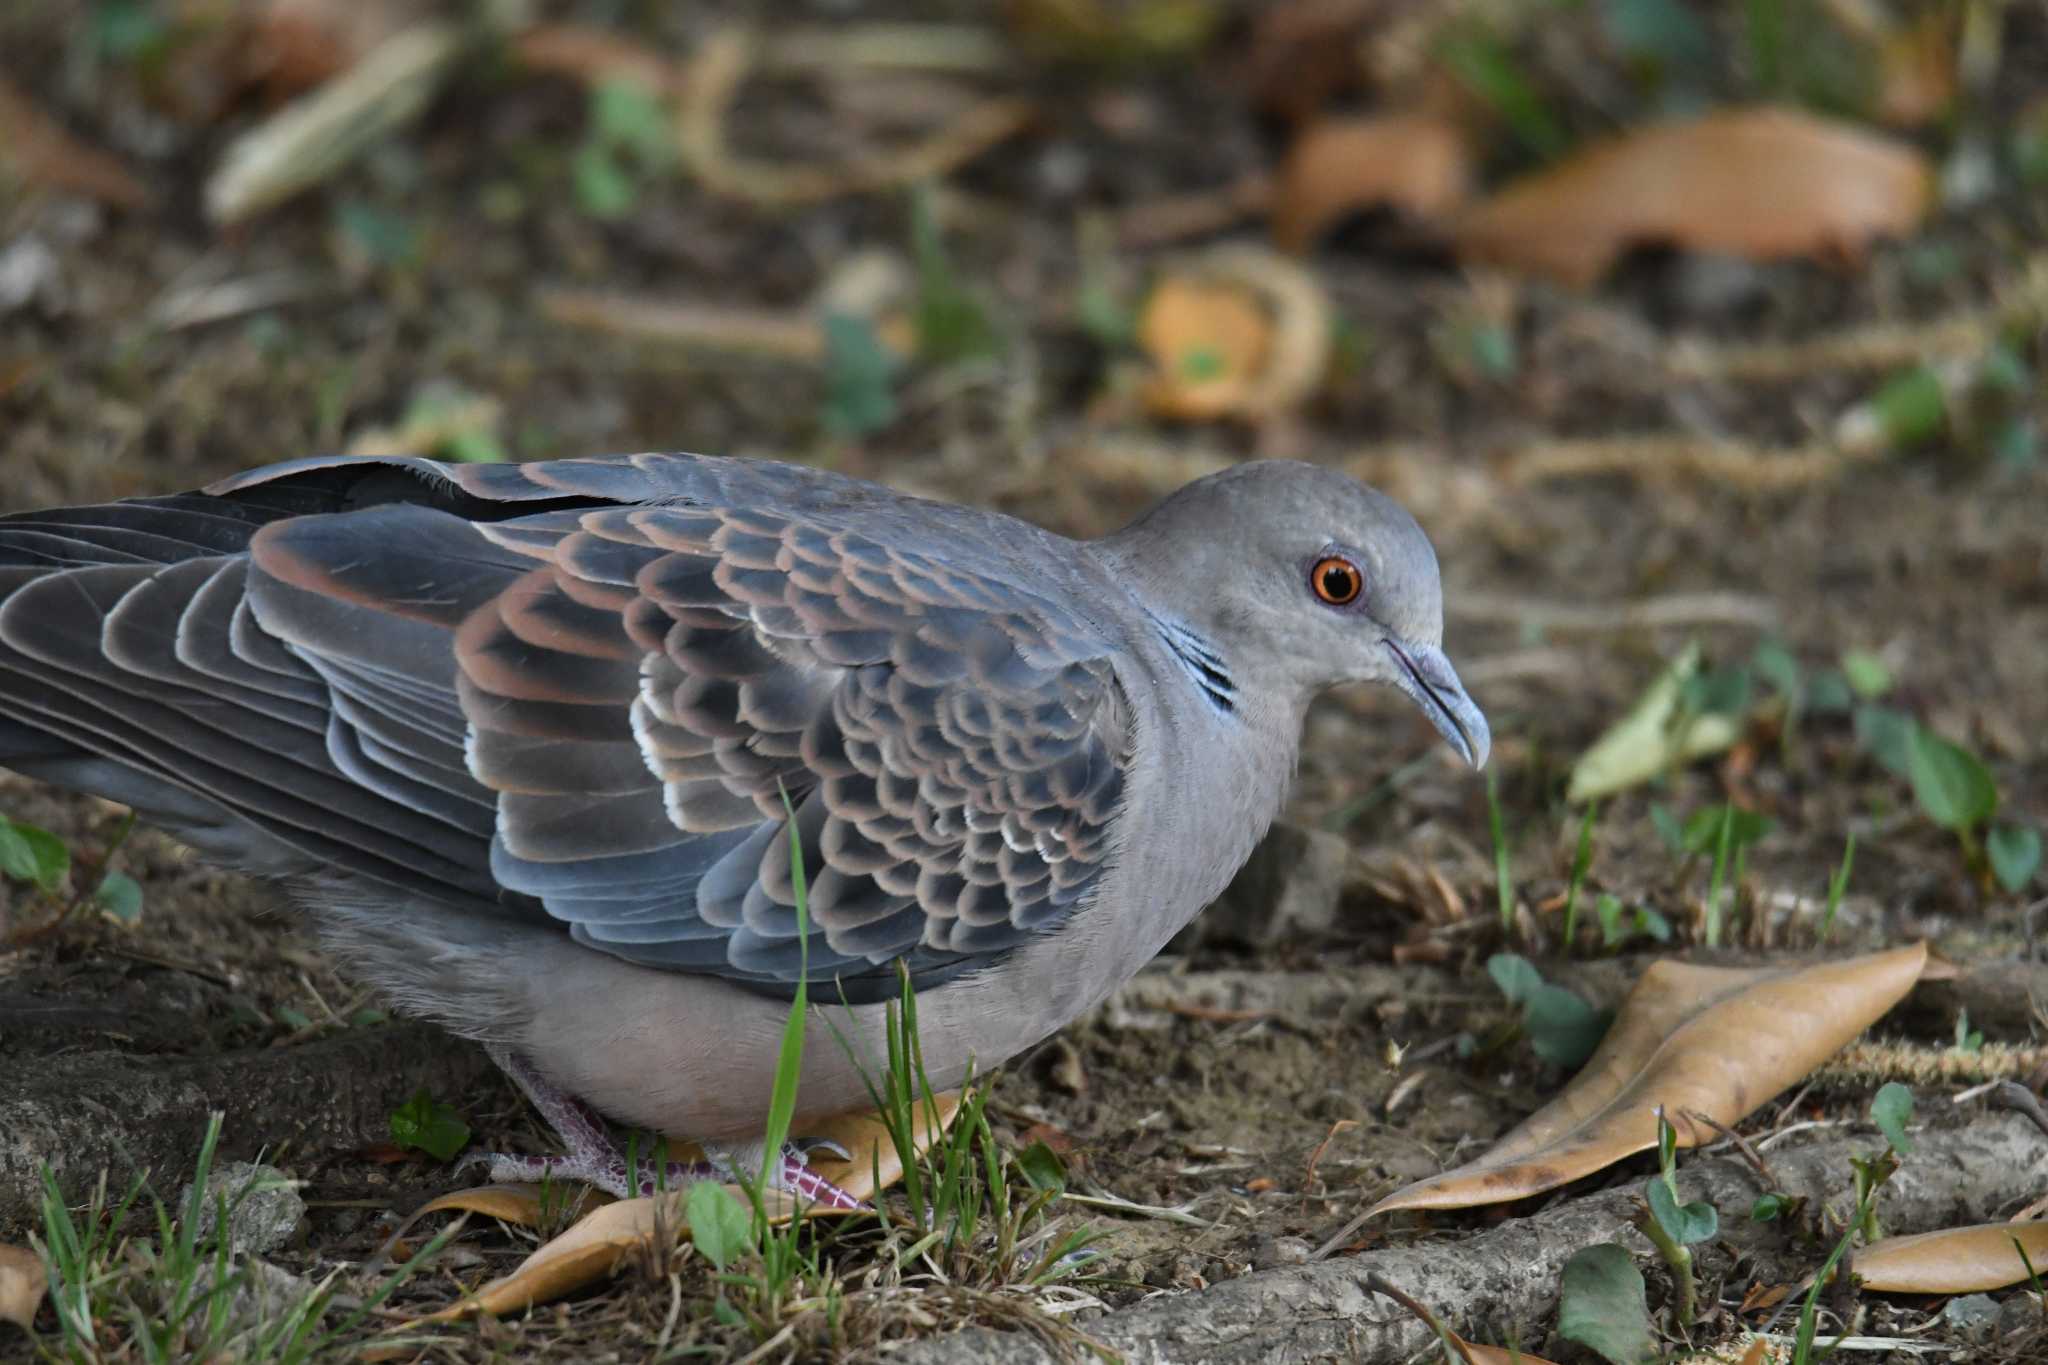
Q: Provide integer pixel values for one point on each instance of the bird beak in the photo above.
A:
(1428, 678)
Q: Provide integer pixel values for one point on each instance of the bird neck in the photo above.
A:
(1227, 757)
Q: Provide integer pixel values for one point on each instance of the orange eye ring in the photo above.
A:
(1336, 580)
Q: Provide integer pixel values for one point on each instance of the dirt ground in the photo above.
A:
(1272, 1126)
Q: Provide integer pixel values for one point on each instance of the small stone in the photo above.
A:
(264, 1207)
(2019, 1313)
(1974, 1316)
(1277, 1251)
(266, 1293)
(30, 273)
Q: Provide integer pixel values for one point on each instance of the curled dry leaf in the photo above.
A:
(1953, 1261)
(588, 1252)
(1760, 183)
(1237, 332)
(602, 1239)
(1418, 163)
(711, 88)
(22, 1284)
(1715, 1040)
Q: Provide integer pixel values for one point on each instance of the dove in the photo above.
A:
(532, 746)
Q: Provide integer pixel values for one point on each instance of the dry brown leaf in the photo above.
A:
(1761, 183)
(38, 150)
(22, 1283)
(604, 1238)
(588, 1252)
(1953, 1261)
(1715, 1040)
(518, 1203)
(1419, 163)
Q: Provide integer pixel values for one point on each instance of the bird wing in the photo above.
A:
(619, 691)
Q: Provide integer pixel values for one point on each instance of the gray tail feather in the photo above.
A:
(153, 531)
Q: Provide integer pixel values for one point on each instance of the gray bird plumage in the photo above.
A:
(531, 741)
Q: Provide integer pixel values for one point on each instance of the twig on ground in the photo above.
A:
(1679, 611)
(712, 86)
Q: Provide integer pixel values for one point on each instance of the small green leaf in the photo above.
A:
(1660, 33)
(1769, 1208)
(474, 445)
(1911, 407)
(1703, 830)
(1042, 1168)
(1667, 827)
(1601, 1305)
(1516, 976)
(1652, 923)
(626, 115)
(386, 238)
(859, 378)
(1828, 691)
(1609, 909)
(1483, 64)
(429, 1126)
(2015, 853)
(129, 30)
(1685, 1224)
(120, 895)
(1107, 319)
(1562, 1028)
(33, 855)
(1867, 674)
(1887, 736)
(952, 324)
(1775, 665)
(2017, 444)
(369, 1016)
(603, 187)
(1890, 1112)
(1716, 692)
(293, 1018)
(1952, 785)
(720, 1226)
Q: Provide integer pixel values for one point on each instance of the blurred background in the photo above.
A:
(1706, 340)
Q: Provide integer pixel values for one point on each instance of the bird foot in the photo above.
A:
(605, 1169)
(594, 1158)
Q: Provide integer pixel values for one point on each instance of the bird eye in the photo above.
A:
(1336, 580)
